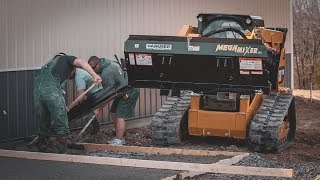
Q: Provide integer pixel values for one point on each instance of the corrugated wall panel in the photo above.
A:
(3, 105)
(32, 31)
(17, 100)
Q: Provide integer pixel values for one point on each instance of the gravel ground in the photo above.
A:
(307, 171)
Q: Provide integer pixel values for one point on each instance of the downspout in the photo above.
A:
(291, 42)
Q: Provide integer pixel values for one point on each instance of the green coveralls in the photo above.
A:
(114, 77)
(49, 102)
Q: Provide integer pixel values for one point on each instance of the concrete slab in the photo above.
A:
(27, 169)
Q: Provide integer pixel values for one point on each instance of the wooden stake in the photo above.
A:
(227, 162)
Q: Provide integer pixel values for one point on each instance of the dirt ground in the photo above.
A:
(307, 144)
(305, 149)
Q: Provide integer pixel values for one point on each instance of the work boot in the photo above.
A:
(42, 143)
(59, 143)
(95, 127)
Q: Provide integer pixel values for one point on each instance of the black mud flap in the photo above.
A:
(95, 101)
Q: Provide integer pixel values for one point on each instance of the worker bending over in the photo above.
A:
(50, 105)
(122, 108)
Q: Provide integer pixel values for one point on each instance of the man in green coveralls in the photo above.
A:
(83, 80)
(122, 108)
(49, 101)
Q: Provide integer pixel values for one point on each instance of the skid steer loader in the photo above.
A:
(223, 78)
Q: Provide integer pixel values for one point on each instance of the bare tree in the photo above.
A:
(306, 41)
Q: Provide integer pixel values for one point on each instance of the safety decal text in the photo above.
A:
(250, 65)
(144, 59)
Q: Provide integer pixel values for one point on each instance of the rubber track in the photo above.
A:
(170, 120)
(265, 126)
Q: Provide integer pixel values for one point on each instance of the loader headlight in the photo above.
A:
(248, 21)
(200, 19)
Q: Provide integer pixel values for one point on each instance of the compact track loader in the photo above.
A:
(223, 78)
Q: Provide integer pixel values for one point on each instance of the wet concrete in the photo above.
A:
(158, 157)
(21, 169)
(25, 169)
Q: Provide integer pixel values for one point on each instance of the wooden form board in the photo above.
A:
(154, 150)
(227, 162)
(258, 171)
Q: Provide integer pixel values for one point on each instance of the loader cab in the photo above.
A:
(227, 26)
(223, 24)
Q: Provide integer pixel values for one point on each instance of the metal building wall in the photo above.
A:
(32, 31)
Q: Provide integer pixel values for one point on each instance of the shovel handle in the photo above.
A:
(76, 101)
(79, 136)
